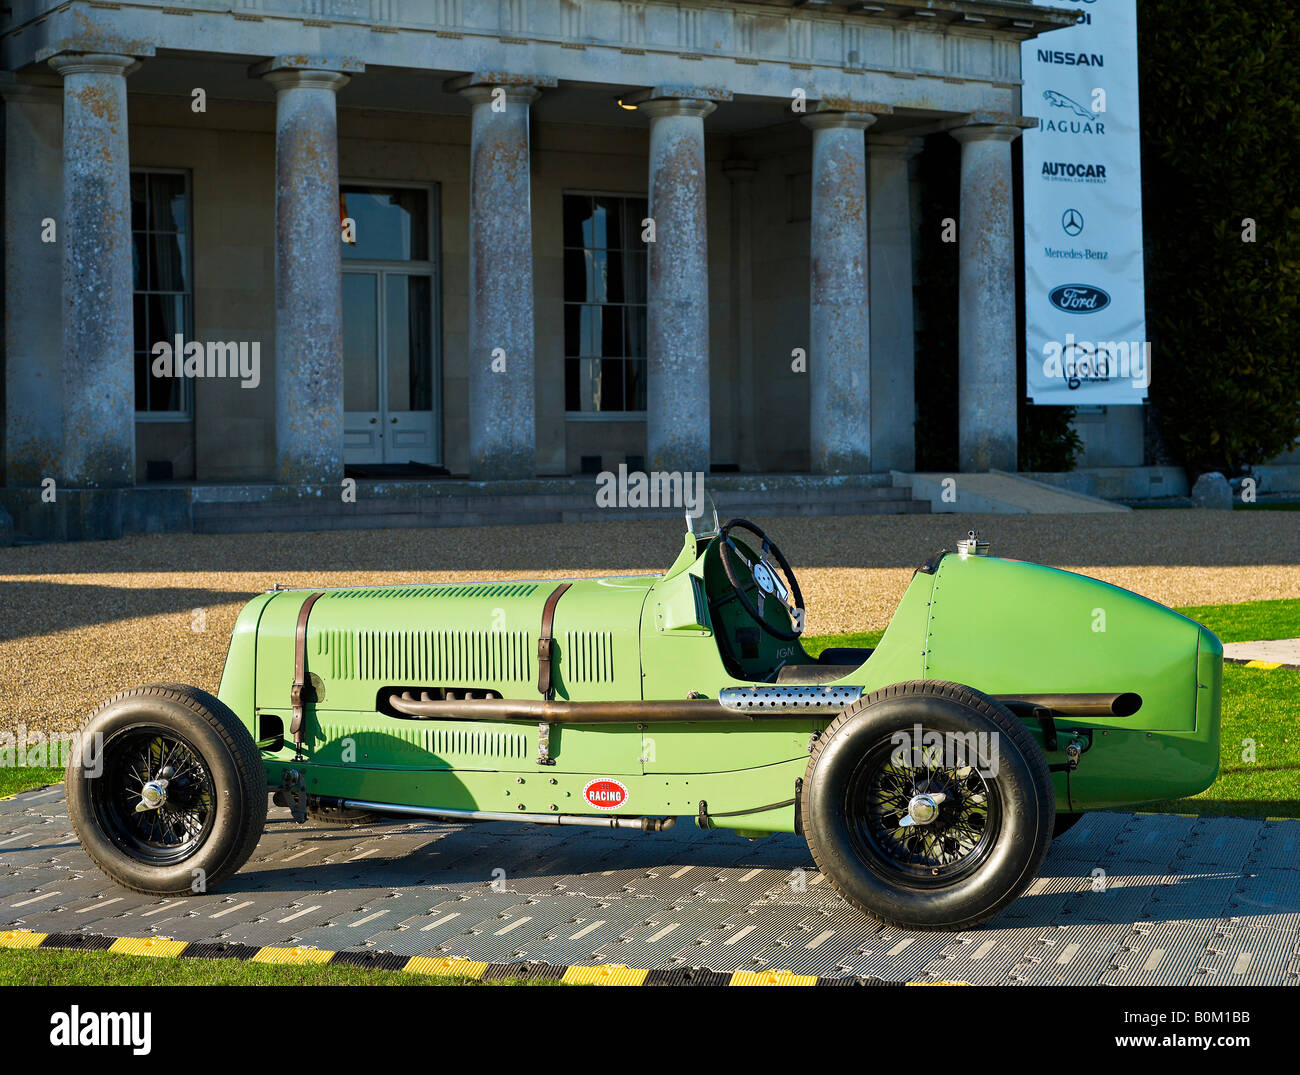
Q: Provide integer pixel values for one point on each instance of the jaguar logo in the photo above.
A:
(1078, 298)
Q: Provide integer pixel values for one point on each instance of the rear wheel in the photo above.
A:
(168, 793)
(928, 806)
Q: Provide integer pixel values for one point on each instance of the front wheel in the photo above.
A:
(928, 806)
(167, 791)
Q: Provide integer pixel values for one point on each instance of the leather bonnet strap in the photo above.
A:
(546, 644)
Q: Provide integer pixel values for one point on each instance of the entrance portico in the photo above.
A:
(634, 229)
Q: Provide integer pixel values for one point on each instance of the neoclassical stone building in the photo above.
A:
(508, 238)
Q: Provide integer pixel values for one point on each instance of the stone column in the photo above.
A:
(986, 349)
(677, 313)
(502, 378)
(893, 335)
(98, 433)
(744, 412)
(839, 333)
(33, 277)
(308, 280)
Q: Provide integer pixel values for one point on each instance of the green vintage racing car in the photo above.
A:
(928, 774)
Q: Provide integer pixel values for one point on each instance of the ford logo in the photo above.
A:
(1078, 298)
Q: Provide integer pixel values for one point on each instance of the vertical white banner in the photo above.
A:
(1085, 303)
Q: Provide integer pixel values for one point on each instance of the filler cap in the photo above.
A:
(972, 545)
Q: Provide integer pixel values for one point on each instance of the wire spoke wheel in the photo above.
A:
(169, 794)
(886, 796)
(928, 805)
(155, 798)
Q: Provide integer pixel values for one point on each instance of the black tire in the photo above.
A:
(214, 808)
(340, 817)
(1064, 823)
(990, 833)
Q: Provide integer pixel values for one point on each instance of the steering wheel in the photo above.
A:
(763, 576)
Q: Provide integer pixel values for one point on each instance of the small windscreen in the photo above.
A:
(703, 520)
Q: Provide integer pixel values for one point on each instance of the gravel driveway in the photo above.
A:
(80, 621)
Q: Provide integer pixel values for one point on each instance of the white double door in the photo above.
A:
(389, 391)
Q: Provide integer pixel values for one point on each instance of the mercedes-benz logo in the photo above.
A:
(1072, 222)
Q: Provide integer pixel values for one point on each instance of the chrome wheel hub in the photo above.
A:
(923, 809)
(153, 793)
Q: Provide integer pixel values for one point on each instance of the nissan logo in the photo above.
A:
(1078, 298)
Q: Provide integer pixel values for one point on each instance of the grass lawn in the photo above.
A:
(14, 780)
(1262, 707)
(1254, 621)
(53, 967)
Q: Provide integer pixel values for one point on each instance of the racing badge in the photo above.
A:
(605, 794)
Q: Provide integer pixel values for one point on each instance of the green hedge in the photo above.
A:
(1221, 143)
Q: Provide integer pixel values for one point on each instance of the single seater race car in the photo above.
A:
(928, 774)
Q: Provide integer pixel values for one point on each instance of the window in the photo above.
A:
(164, 290)
(604, 304)
(390, 325)
(392, 223)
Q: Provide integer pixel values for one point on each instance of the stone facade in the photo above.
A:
(772, 143)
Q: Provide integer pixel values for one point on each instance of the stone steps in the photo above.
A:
(84, 514)
(488, 509)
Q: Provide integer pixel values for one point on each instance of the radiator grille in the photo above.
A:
(427, 656)
(587, 657)
(426, 744)
(476, 741)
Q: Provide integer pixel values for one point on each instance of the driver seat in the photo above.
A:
(813, 673)
(833, 663)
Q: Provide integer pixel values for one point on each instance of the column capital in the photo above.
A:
(676, 106)
(525, 85)
(307, 72)
(515, 95)
(838, 105)
(893, 146)
(677, 100)
(93, 63)
(990, 127)
(307, 80)
(830, 119)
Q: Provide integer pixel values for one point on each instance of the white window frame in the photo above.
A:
(186, 414)
(598, 416)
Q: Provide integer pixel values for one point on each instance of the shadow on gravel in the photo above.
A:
(48, 607)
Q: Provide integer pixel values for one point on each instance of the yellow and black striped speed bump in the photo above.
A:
(1247, 663)
(605, 974)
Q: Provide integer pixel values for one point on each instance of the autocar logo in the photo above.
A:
(605, 793)
(1072, 222)
(1078, 298)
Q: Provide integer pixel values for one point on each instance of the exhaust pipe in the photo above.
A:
(732, 704)
(1124, 704)
(645, 824)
